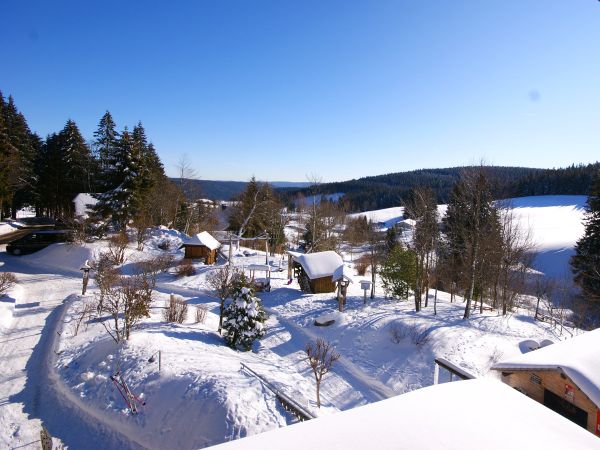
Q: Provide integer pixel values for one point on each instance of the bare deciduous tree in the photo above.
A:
(87, 309)
(176, 310)
(422, 207)
(142, 223)
(127, 300)
(321, 356)
(116, 247)
(7, 280)
(219, 281)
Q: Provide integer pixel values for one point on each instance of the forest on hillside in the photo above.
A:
(393, 189)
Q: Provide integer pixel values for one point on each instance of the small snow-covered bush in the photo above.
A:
(160, 263)
(397, 333)
(185, 268)
(164, 245)
(176, 310)
(362, 264)
(7, 280)
(419, 335)
(243, 320)
(201, 313)
(116, 248)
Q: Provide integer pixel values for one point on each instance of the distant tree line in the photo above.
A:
(384, 191)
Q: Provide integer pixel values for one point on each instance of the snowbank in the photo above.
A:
(7, 305)
(200, 397)
(63, 256)
(7, 227)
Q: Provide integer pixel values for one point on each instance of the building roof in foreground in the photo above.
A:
(473, 414)
(578, 358)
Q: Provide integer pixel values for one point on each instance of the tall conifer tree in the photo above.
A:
(586, 261)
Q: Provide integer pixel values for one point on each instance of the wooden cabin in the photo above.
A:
(314, 271)
(564, 376)
(202, 246)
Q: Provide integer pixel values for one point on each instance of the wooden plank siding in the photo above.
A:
(322, 285)
(533, 383)
(200, 252)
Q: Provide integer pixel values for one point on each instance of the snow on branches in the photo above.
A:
(244, 319)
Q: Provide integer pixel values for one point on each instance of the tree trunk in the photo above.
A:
(318, 393)
(471, 287)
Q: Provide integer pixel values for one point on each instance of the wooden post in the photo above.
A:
(229, 247)
(46, 439)
(436, 373)
(267, 249)
(86, 277)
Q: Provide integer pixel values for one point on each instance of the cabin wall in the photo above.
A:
(556, 382)
(322, 285)
(201, 252)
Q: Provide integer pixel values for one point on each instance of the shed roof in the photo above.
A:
(320, 264)
(343, 272)
(204, 239)
(578, 358)
(434, 417)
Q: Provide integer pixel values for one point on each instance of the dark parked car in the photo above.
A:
(37, 240)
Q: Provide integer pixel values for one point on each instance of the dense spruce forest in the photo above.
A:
(384, 191)
(121, 168)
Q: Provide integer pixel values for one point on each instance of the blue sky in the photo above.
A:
(341, 89)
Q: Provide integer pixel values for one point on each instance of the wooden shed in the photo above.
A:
(564, 376)
(202, 246)
(314, 271)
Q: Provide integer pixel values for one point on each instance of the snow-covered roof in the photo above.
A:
(84, 203)
(578, 358)
(434, 417)
(343, 272)
(204, 239)
(320, 264)
(408, 222)
(259, 267)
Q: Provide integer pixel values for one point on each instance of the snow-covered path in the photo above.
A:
(30, 393)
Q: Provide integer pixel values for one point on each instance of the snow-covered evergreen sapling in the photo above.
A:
(243, 320)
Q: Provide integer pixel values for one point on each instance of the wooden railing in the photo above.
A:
(288, 403)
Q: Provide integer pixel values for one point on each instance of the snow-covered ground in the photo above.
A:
(202, 396)
(556, 223)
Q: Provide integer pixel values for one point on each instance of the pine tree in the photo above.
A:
(399, 271)
(77, 159)
(585, 264)
(122, 202)
(142, 155)
(244, 319)
(106, 139)
(17, 154)
(49, 169)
